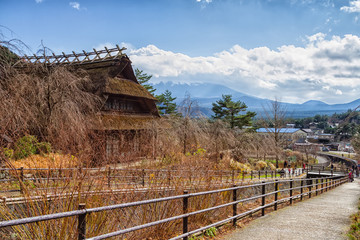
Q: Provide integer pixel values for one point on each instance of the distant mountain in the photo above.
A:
(206, 94)
(312, 103)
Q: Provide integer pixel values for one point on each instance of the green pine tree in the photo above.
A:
(229, 111)
(166, 104)
(143, 79)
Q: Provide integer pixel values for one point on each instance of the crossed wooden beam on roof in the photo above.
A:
(74, 58)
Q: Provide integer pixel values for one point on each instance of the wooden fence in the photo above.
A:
(113, 178)
(298, 189)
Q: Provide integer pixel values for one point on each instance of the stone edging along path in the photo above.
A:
(326, 217)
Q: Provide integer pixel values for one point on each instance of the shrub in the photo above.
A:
(25, 147)
(271, 166)
(8, 152)
(43, 147)
(261, 165)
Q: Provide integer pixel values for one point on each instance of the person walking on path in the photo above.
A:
(351, 177)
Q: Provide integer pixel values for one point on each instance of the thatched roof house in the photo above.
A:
(129, 110)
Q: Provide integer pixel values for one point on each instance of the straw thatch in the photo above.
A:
(127, 87)
(124, 122)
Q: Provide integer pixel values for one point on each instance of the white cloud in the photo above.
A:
(204, 1)
(338, 92)
(321, 68)
(75, 5)
(354, 7)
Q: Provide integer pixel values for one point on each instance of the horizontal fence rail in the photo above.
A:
(12, 180)
(121, 178)
(270, 193)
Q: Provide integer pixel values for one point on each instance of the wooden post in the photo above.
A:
(291, 191)
(143, 177)
(326, 185)
(234, 205)
(243, 175)
(316, 186)
(82, 223)
(276, 193)
(310, 186)
(21, 182)
(263, 199)
(251, 174)
(259, 174)
(265, 173)
(301, 189)
(185, 210)
(169, 177)
(109, 177)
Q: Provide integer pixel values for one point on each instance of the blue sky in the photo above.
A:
(295, 50)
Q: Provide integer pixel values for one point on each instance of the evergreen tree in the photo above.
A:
(166, 104)
(143, 79)
(229, 111)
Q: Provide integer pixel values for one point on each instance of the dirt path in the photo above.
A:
(323, 217)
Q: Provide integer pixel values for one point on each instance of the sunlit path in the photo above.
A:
(322, 217)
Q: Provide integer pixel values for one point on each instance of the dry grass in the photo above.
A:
(51, 160)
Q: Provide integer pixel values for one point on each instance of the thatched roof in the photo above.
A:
(125, 122)
(127, 87)
(7, 56)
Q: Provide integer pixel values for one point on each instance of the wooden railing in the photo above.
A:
(114, 178)
(269, 195)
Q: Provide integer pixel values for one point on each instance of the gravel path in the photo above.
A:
(322, 217)
(322, 159)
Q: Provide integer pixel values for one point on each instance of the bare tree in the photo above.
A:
(274, 121)
(189, 109)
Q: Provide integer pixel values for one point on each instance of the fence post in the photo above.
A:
(109, 176)
(301, 189)
(259, 174)
(143, 177)
(243, 175)
(21, 182)
(185, 210)
(251, 174)
(310, 186)
(276, 193)
(316, 186)
(265, 173)
(322, 185)
(233, 176)
(272, 174)
(82, 223)
(326, 185)
(263, 199)
(291, 191)
(169, 177)
(234, 205)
